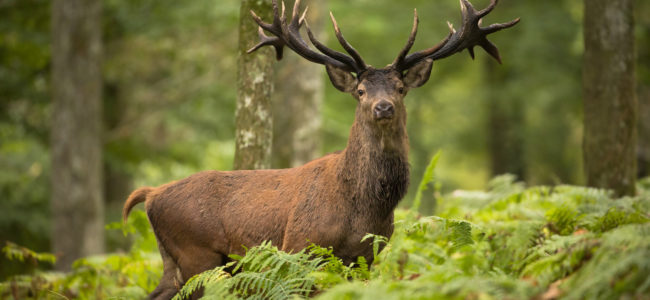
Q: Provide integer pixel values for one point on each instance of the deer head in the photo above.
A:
(379, 92)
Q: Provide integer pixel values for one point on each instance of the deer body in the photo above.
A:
(333, 201)
(321, 202)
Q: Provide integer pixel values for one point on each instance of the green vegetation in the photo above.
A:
(509, 242)
(129, 275)
(169, 97)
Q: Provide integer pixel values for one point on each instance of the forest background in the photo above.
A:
(169, 99)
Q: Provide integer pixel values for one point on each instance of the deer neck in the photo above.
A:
(375, 167)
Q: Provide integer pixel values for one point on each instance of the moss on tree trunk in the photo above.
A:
(253, 119)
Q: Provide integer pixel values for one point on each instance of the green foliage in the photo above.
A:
(208, 279)
(426, 179)
(127, 275)
(377, 241)
(618, 267)
(15, 252)
(510, 242)
(268, 273)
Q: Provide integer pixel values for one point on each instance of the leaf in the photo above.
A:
(426, 179)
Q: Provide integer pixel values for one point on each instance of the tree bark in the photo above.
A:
(505, 126)
(610, 103)
(643, 148)
(643, 88)
(253, 116)
(77, 204)
(297, 103)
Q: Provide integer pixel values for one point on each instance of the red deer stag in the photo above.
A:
(332, 201)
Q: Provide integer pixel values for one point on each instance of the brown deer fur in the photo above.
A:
(332, 201)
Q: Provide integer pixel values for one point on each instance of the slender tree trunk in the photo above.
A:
(118, 183)
(610, 103)
(77, 204)
(297, 103)
(643, 148)
(253, 117)
(505, 126)
(642, 9)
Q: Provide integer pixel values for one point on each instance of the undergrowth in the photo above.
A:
(510, 242)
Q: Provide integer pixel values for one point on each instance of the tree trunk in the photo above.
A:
(77, 205)
(505, 126)
(253, 117)
(643, 152)
(297, 103)
(610, 104)
(643, 70)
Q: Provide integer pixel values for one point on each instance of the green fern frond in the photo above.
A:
(563, 219)
(201, 280)
(558, 257)
(15, 252)
(377, 240)
(620, 266)
(427, 177)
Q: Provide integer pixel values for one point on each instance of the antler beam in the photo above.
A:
(470, 35)
(289, 35)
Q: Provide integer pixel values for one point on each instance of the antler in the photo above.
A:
(289, 35)
(470, 35)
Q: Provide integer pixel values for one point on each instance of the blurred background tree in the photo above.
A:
(254, 116)
(298, 100)
(642, 43)
(169, 97)
(76, 134)
(609, 96)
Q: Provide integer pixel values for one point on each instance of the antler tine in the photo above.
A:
(416, 57)
(302, 18)
(499, 26)
(283, 17)
(361, 65)
(295, 13)
(482, 13)
(268, 41)
(288, 34)
(471, 34)
(262, 24)
(277, 19)
(409, 43)
(327, 51)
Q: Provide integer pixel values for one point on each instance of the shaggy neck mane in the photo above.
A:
(375, 168)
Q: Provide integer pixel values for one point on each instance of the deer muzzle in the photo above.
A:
(383, 110)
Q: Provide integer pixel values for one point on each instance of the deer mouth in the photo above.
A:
(383, 118)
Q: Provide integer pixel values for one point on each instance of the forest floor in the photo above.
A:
(510, 242)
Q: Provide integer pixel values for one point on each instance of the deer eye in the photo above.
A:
(361, 92)
(400, 90)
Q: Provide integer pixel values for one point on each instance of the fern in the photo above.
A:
(263, 273)
(509, 242)
(620, 266)
(563, 219)
(377, 240)
(427, 177)
(206, 278)
(15, 252)
(129, 275)
(558, 257)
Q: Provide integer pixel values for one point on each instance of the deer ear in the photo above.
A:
(343, 80)
(419, 74)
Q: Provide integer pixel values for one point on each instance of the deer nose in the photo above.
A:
(384, 110)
